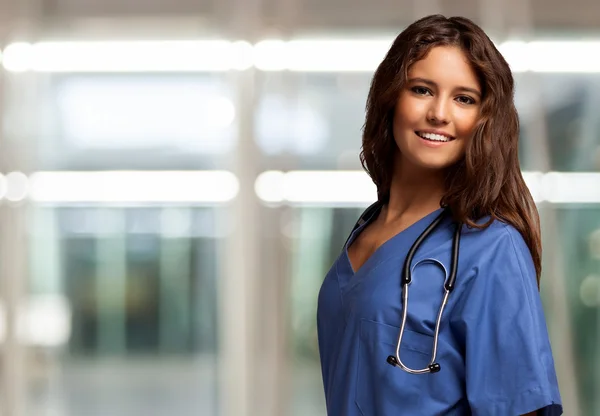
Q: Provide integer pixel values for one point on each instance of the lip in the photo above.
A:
(431, 143)
(441, 133)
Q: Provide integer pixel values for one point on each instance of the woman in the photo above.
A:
(440, 143)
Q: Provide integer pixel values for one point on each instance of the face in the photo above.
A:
(437, 110)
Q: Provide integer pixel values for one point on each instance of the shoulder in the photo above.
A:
(497, 228)
(496, 274)
(498, 235)
(496, 252)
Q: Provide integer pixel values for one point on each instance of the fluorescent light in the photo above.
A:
(269, 186)
(129, 56)
(552, 56)
(336, 56)
(533, 180)
(270, 55)
(355, 188)
(564, 56)
(17, 57)
(336, 186)
(45, 320)
(320, 55)
(516, 54)
(17, 186)
(571, 187)
(365, 55)
(134, 187)
(242, 55)
(42, 321)
(316, 187)
(323, 55)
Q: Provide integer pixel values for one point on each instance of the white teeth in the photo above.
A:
(434, 137)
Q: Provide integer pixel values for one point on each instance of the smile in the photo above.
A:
(434, 137)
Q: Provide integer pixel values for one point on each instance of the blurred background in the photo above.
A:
(178, 176)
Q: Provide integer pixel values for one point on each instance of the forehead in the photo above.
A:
(445, 65)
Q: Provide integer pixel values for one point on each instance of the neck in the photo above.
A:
(413, 192)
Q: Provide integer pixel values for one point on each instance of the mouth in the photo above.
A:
(434, 137)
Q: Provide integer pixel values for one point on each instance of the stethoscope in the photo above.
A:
(449, 281)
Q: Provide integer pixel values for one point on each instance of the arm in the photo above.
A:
(503, 323)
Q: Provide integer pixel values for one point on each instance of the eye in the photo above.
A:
(420, 90)
(465, 99)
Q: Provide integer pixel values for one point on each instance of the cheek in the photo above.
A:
(465, 124)
(407, 114)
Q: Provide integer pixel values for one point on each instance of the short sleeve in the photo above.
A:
(509, 368)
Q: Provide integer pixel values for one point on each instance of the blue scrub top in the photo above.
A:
(493, 347)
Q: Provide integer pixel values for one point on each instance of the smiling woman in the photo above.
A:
(455, 220)
(437, 108)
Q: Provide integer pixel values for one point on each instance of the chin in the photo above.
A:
(434, 165)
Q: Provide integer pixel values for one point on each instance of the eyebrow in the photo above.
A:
(433, 84)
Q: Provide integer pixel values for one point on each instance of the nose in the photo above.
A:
(438, 112)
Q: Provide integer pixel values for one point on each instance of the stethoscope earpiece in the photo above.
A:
(433, 368)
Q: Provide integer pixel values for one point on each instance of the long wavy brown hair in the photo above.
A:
(488, 180)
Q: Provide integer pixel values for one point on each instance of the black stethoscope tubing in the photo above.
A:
(395, 360)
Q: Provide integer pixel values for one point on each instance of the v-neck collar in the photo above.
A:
(378, 255)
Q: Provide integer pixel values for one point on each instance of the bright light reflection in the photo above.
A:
(129, 56)
(269, 186)
(571, 187)
(17, 57)
(324, 55)
(17, 186)
(564, 56)
(356, 188)
(270, 55)
(45, 320)
(42, 321)
(134, 187)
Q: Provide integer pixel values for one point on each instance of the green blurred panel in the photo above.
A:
(142, 294)
(319, 234)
